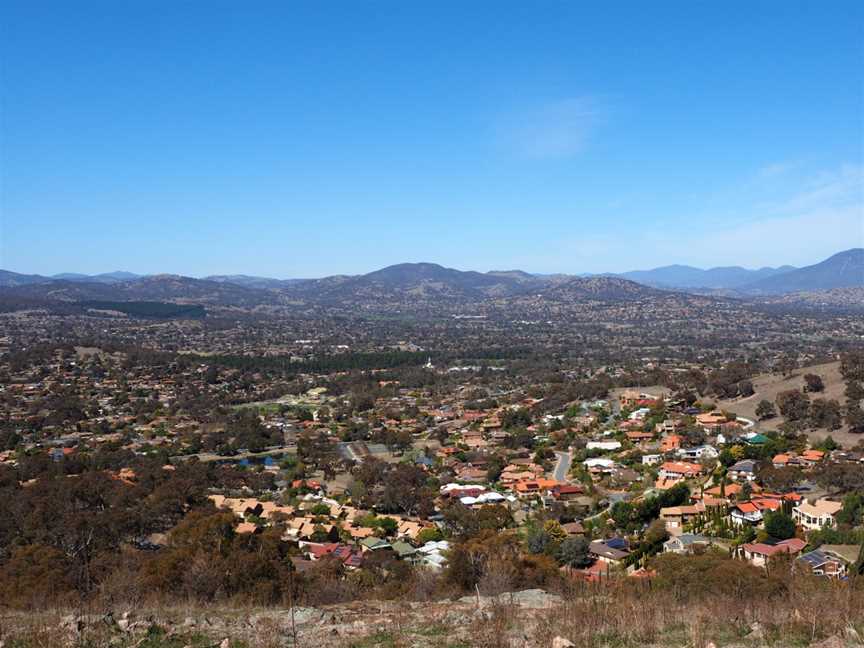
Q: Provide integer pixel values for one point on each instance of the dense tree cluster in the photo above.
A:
(732, 380)
(629, 517)
(394, 488)
(852, 370)
(800, 412)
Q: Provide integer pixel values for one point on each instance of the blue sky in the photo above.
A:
(297, 139)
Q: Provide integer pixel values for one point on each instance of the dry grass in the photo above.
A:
(627, 616)
(614, 615)
(767, 386)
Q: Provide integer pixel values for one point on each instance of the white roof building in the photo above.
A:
(598, 462)
(603, 445)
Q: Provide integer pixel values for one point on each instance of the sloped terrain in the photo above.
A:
(767, 387)
(526, 619)
(150, 288)
(842, 270)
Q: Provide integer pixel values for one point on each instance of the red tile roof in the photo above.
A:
(793, 545)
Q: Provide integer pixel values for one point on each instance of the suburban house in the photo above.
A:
(832, 561)
(483, 499)
(678, 470)
(532, 486)
(743, 470)
(613, 551)
(727, 491)
(759, 553)
(676, 517)
(817, 515)
(410, 529)
(745, 513)
(754, 438)
(811, 457)
(247, 527)
(567, 492)
(638, 437)
(665, 483)
(805, 459)
(599, 466)
(433, 554)
(701, 452)
(685, 543)
(348, 555)
(374, 544)
(603, 445)
(630, 424)
(752, 512)
(405, 551)
(573, 528)
(712, 422)
(629, 399)
(670, 443)
(668, 426)
(782, 460)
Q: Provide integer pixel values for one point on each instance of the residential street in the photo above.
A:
(562, 468)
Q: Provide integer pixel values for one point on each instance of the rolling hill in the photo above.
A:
(599, 289)
(11, 279)
(406, 281)
(162, 288)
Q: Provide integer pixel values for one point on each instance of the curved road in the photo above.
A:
(562, 468)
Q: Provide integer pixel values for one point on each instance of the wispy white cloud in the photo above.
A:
(776, 170)
(810, 219)
(555, 130)
(824, 216)
(843, 186)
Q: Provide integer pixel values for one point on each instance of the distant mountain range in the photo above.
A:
(9, 279)
(430, 283)
(164, 288)
(842, 270)
(402, 287)
(105, 277)
(722, 278)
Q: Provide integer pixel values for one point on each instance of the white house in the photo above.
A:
(599, 462)
(603, 445)
(745, 513)
(640, 414)
(702, 452)
(433, 554)
(815, 516)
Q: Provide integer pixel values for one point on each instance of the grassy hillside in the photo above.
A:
(767, 387)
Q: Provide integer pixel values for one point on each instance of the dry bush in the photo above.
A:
(498, 579)
(635, 614)
(497, 625)
(425, 586)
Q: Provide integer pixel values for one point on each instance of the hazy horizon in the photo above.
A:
(306, 140)
(368, 270)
